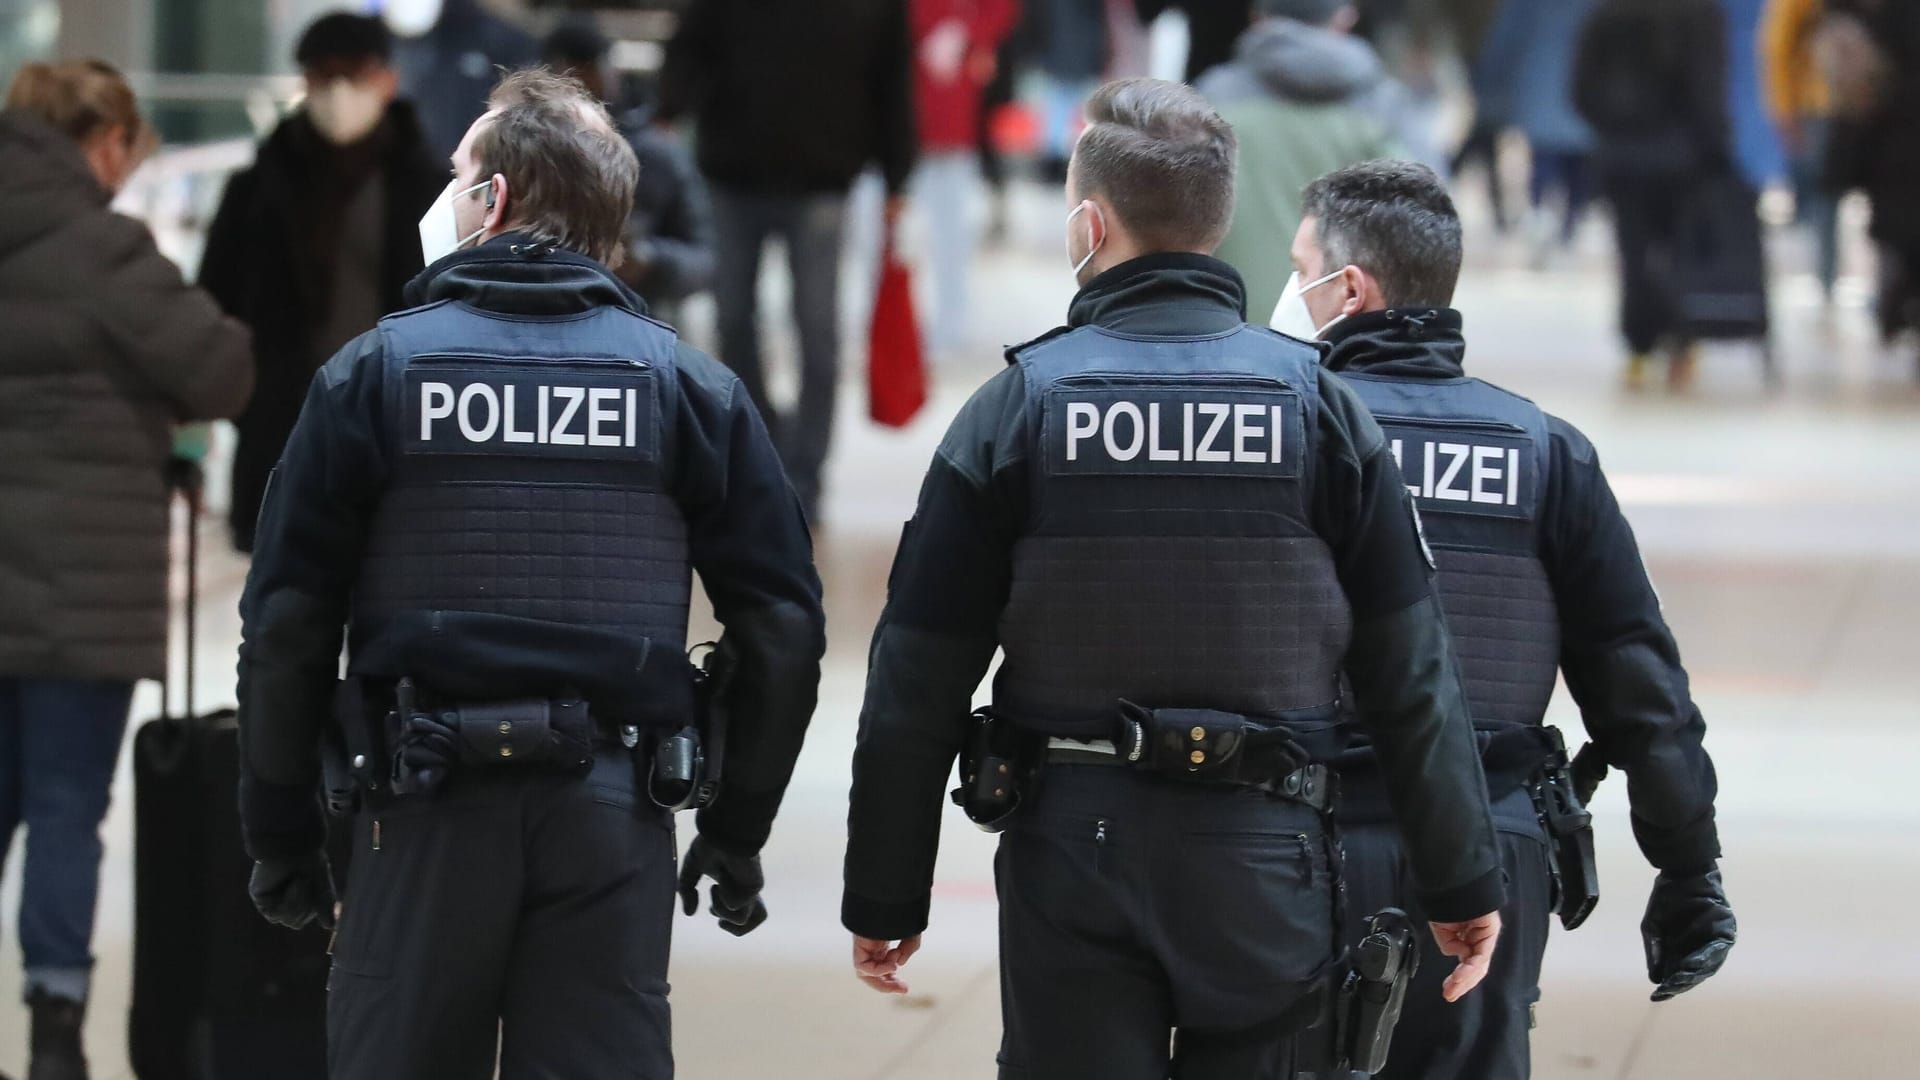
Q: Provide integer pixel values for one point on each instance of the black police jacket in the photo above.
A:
(1619, 658)
(953, 575)
(327, 524)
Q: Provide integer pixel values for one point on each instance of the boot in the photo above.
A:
(56, 1038)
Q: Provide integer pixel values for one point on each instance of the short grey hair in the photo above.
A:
(1395, 220)
(1163, 158)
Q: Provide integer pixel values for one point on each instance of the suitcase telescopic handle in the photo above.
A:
(185, 477)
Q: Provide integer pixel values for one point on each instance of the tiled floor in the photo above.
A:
(1781, 530)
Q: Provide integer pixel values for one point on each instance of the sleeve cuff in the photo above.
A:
(884, 920)
(1682, 850)
(1486, 893)
(739, 821)
(280, 821)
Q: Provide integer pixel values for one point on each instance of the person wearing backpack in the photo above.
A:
(1650, 77)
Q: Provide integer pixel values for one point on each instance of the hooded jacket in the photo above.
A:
(1303, 101)
(106, 348)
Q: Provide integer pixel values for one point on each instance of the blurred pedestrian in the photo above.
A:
(1798, 98)
(316, 239)
(955, 43)
(1490, 78)
(1650, 77)
(1876, 140)
(1073, 52)
(792, 102)
(105, 350)
(449, 54)
(1305, 97)
(1540, 51)
(1212, 28)
(669, 237)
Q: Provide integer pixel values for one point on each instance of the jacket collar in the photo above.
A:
(1412, 343)
(515, 274)
(1168, 293)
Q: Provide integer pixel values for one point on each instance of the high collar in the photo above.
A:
(1408, 343)
(1164, 293)
(514, 274)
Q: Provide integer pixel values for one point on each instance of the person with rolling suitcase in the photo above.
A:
(106, 349)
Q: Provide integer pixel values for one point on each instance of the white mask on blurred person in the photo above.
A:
(345, 111)
(1290, 315)
(412, 18)
(440, 229)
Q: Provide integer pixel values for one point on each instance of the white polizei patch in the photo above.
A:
(481, 413)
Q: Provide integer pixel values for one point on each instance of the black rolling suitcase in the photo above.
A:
(1720, 271)
(218, 992)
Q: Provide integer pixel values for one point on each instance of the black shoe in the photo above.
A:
(56, 1038)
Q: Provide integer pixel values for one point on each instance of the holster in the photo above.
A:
(999, 769)
(1569, 827)
(1376, 989)
(682, 771)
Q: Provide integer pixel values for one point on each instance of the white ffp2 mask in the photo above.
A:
(440, 229)
(1290, 315)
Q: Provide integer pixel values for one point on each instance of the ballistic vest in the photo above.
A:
(1169, 557)
(1475, 459)
(530, 464)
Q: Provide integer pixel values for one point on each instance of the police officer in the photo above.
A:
(1176, 526)
(502, 494)
(1539, 574)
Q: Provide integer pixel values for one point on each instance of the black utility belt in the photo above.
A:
(1312, 785)
(1003, 759)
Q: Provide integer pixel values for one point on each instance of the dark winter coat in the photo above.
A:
(269, 262)
(1650, 76)
(105, 349)
(1880, 153)
(796, 97)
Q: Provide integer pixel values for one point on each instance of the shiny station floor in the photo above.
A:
(1780, 529)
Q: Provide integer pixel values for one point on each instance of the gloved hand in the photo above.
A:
(1688, 930)
(428, 748)
(737, 882)
(294, 892)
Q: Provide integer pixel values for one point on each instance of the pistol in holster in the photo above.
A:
(683, 771)
(1569, 827)
(1376, 989)
(999, 770)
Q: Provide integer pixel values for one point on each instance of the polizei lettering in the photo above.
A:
(1174, 431)
(562, 414)
(1465, 473)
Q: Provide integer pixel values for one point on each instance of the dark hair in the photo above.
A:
(569, 173)
(1395, 220)
(344, 36)
(577, 42)
(1163, 158)
(80, 98)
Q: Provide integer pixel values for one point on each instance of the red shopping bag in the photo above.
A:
(896, 366)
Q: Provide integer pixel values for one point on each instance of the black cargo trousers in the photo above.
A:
(517, 913)
(1485, 1035)
(1151, 928)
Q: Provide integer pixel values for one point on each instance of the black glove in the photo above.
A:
(1689, 929)
(737, 882)
(429, 746)
(294, 892)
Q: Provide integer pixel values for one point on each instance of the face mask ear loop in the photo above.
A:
(1092, 250)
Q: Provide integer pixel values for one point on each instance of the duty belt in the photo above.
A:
(1311, 785)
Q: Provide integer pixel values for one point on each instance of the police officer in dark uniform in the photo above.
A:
(1539, 574)
(501, 495)
(1176, 526)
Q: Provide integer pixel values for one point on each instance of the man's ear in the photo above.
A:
(496, 201)
(1362, 290)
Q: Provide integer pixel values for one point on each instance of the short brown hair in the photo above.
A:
(570, 173)
(1163, 158)
(80, 98)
